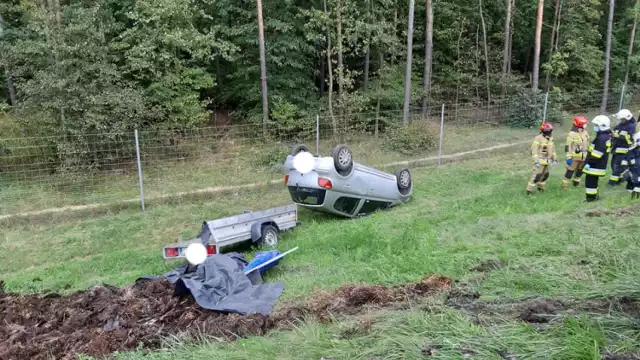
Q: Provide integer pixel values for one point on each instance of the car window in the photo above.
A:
(371, 206)
(346, 205)
(307, 196)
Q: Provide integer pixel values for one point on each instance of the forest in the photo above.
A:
(74, 67)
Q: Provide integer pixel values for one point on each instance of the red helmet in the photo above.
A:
(546, 127)
(580, 121)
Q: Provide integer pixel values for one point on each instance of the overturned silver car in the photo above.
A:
(336, 184)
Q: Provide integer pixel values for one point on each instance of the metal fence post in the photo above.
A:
(546, 101)
(441, 133)
(622, 97)
(317, 135)
(139, 169)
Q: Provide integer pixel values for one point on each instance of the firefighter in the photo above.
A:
(597, 156)
(632, 175)
(576, 150)
(622, 140)
(543, 153)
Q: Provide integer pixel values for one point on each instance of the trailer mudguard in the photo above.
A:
(256, 229)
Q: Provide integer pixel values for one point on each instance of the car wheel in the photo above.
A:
(342, 159)
(298, 149)
(270, 236)
(403, 179)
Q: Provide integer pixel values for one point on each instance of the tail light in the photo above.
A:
(211, 249)
(325, 183)
(171, 252)
(286, 179)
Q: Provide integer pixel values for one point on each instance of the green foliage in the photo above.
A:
(273, 157)
(526, 108)
(418, 136)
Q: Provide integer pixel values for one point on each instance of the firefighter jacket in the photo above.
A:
(633, 158)
(598, 154)
(543, 150)
(577, 144)
(622, 136)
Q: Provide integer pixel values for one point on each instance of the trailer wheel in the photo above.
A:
(298, 149)
(270, 236)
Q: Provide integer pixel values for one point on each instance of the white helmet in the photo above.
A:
(602, 121)
(624, 114)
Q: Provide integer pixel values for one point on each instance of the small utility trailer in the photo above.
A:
(262, 226)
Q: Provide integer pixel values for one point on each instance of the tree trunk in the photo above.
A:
(330, 70)
(407, 77)
(477, 51)
(380, 69)
(486, 52)
(458, 66)
(58, 13)
(340, 65)
(7, 73)
(263, 69)
(553, 37)
(368, 51)
(428, 47)
(631, 41)
(607, 59)
(511, 28)
(322, 74)
(536, 54)
(395, 29)
(505, 59)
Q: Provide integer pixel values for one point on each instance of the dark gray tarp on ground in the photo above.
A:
(220, 284)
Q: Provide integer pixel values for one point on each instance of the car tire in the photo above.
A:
(403, 179)
(298, 149)
(270, 236)
(342, 159)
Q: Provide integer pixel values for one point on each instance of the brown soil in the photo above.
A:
(623, 211)
(106, 319)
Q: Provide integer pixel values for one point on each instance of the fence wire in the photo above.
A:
(38, 173)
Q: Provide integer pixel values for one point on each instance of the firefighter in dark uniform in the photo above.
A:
(632, 175)
(597, 156)
(622, 141)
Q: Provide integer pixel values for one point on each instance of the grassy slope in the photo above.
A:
(462, 214)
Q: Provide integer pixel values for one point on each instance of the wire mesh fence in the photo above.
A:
(53, 172)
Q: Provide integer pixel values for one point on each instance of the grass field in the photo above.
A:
(548, 246)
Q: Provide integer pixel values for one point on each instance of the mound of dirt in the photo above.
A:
(539, 311)
(623, 211)
(107, 319)
(488, 266)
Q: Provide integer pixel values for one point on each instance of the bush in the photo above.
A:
(526, 108)
(412, 138)
(273, 157)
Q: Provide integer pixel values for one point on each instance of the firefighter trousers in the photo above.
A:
(618, 166)
(539, 177)
(591, 183)
(574, 171)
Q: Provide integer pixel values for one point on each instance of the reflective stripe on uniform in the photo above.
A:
(614, 178)
(596, 154)
(622, 150)
(592, 191)
(595, 172)
(636, 189)
(633, 161)
(624, 163)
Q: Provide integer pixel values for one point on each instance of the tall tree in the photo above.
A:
(486, 53)
(367, 58)
(507, 46)
(407, 78)
(428, 48)
(553, 35)
(632, 39)
(536, 54)
(7, 73)
(263, 69)
(607, 59)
